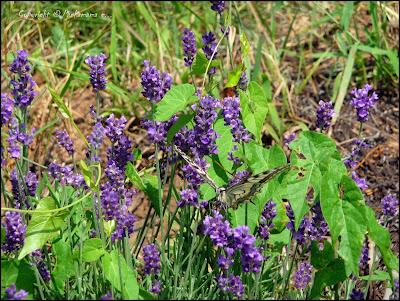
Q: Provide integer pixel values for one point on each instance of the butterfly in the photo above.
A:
(234, 195)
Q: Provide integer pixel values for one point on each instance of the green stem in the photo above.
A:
(290, 270)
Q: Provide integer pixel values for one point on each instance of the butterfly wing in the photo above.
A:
(198, 169)
(245, 191)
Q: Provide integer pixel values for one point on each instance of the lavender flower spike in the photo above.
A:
(325, 113)
(65, 141)
(97, 71)
(361, 182)
(302, 276)
(6, 108)
(151, 257)
(154, 84)
(390, 205)
(218, 6)
(189, 46)
(356, 294)
(12, 294)
(363, 100)
(15, 232)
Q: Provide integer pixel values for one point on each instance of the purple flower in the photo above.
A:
(66, 176)
(151, 257)
(251, 258)
(225, 262)
(107, 296)
(268, 214)
(12, 294)
(15, 229)
(218, 6)
(31, 183)
(361, 182)
(243, 81)
(210, 46)
(38, 260)
(189, 46)
(23, 84)
(356, 294)
(65, 141)
(188, 197)
(97, 71)
(302, 276)
(190, 174)
(231, 111)
(157, 130)
(239, 177)
(299, 235)
(317, 228)
(289, 138)
(154, 84)
(95, 139)
(217, 228)
(155, 287)
(363, 100)
(231, 284)
(390, 205)
(325, 113)
(352, 160)
(6, 108)
(364, 258)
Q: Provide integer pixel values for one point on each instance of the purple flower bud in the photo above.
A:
(65, 141)
(218, 6)
(38, 260)
(210, 46)
(188, 197)
(302, 276)
(151, 257)
(15, 229)
(231, 284)
(353, 158)
(356, 294)
(239, 177)
(289, 138)
(325, 113)
(107, 296)
(6, 108)
(189, 46)
(155, 287)
(97, 71)
(31, 183)
(361, 182)
(154, 84)
(12, 294)
(231, 111)
(363, 100)
(217, 228)
(364, 258)
(390, 205)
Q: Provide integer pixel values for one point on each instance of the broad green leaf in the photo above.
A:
(234, 77)
(378, 275)
(180, 123)
(145, 295)
(120, 275)
(109, 227)
(279, 240)
(87, 174)
(200, 63)
(330, 275)
(246, 214)
(18, 272)
(133, 175)
(260, 159)
(42, 227)
(92, 249)
(174, 101)
(320, 259)
(253, 103)
(64, 267)
(381, 238)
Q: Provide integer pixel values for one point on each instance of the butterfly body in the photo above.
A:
(233, 196)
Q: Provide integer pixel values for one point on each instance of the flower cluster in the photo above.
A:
(363, 100)
(189, 46)
(314, 228)
(38, 260)
(353, 158)
(356, 294)
(154, 84)
(209, 48)
(230, 112)
(66, 176)
(361, 182)
(15, 229)
(266, 224)
(115, 198)
(16, 136)
(13, 294)
(390, 205)
(218, 6)
(325, 113)
(21, 190)
(302, 276)
(6, 108)
(231, 241)
(31, 182)
(364, 258)
(23, 84)
(152, 265)
(289, 138)
(65, 141)
(97, 71)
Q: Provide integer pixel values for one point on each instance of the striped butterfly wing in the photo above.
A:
(243, 192)
(198, 169)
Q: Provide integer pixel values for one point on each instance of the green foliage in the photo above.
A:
(92, 249)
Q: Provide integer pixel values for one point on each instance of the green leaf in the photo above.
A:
(174, 101)
(132, 174)
(320, 259)
(238, 217)
(92, 249)
(254, 109)
(234, 77)
(87, 174)
(330, 275)
(64, 267)
(346, 15)
(244, 45)
(176, 127)
(151, 189)
(18, 272)
(381, 237)
(199, 65)
(377, 276)
(260, 159)
(145, 295)
(42, 227)
(120, 275)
